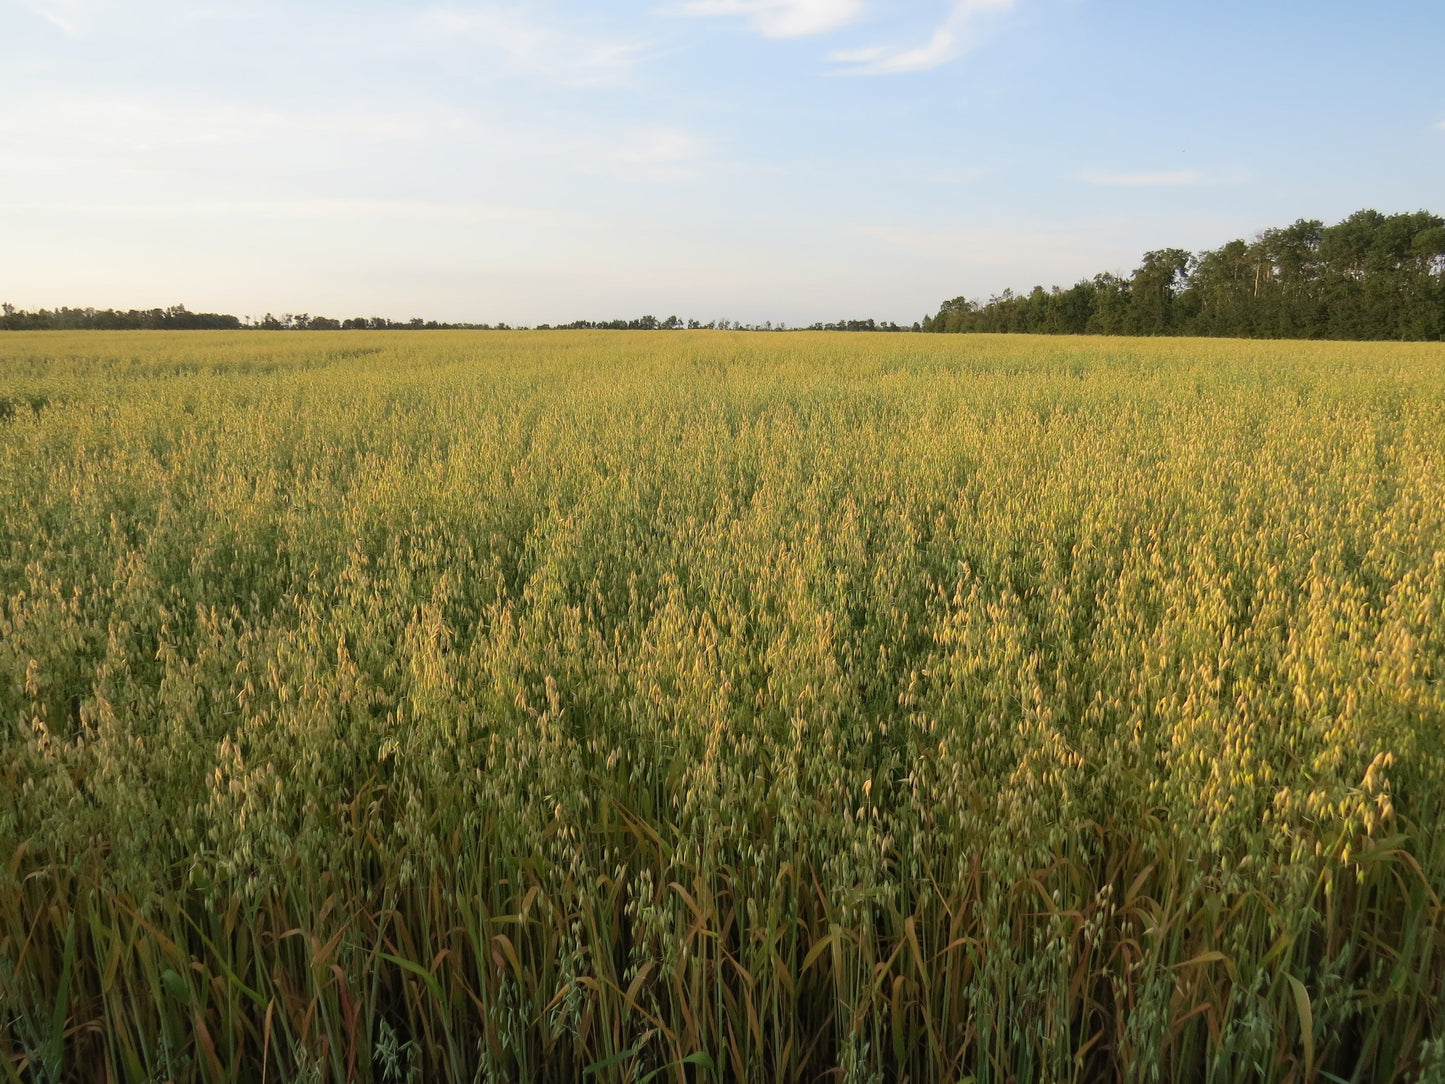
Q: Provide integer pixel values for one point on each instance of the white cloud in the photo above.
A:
(951, 40)
(534, 45)
(1164, 179)
(779, 18)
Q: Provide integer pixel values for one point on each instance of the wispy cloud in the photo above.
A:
(660, 146)
(650, 153)
(966, 175)
(77, 17)
(162, 140)
(1025, 247)
(342, 210)
(87, 123)
(1163, 179)
(536, 45)
(951, 40)
(778, 18)
(60, 15)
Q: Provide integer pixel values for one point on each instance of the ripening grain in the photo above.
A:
(710, 706)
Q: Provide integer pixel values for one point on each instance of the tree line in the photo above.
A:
(305, 322)
(178, 317)
(175, 318)
(674, 323)
(1370, 276)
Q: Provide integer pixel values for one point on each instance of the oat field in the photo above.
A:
(708, 706)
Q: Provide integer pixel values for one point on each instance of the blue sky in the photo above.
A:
(784, 160)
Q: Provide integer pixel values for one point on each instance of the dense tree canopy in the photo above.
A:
(1372, 276)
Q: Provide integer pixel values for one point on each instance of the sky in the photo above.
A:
(795, 161)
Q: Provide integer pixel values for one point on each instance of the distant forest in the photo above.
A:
(179, 318)
(1372, 276)
(674, 323)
